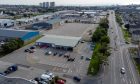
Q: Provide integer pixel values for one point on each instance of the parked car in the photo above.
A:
(47, 76)
(82, 41)
(26, 50)
(71, 59)
(31, 51)
(88, 58)
(48, 53)
(76, 78)
(60, 54)
(60, 82)
(3, 74)
(55, 53)
(82, 57)
(32, 47)
(11, 69)
(66, 55)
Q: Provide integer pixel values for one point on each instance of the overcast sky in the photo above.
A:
(71, 2)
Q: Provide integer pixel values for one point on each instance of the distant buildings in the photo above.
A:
(52, 4)
(4, 23)
(47, 4)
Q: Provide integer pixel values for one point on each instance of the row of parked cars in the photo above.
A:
(46, 78)
(60, 54)
(9, 70)
(30, 50)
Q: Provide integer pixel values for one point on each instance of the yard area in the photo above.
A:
(70, 29)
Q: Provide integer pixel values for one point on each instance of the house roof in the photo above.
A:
(60, 40)
(14, 33)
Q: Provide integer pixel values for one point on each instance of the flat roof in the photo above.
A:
(54, 21)
(14, 32)
(60, 40)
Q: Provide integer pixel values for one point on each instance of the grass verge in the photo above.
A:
(33, 40)
(101, 49)
(126, 34)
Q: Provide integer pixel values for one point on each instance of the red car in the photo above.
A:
(60, 82)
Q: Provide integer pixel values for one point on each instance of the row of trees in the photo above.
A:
(12, 45)
(100, 53)
(119, 19)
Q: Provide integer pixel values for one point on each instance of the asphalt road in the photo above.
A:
(120, 57)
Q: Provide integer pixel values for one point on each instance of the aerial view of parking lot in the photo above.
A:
(48, 44)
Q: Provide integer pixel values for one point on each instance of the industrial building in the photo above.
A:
(60, 42)
(54, 23)
(4, 23)
(41, 25)
(24, 35)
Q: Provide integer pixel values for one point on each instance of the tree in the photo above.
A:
(12, 45)
(127, 26)
(104, 39)
(104, 23)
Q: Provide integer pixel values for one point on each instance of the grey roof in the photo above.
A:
(5, 80)
(53, 21)
(60, 40)
(13, 33)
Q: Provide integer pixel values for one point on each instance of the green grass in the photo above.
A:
(126, 34)
(137, 66)
(33, 40)
(94, 62)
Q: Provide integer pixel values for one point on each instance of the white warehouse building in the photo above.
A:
(60, 42)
